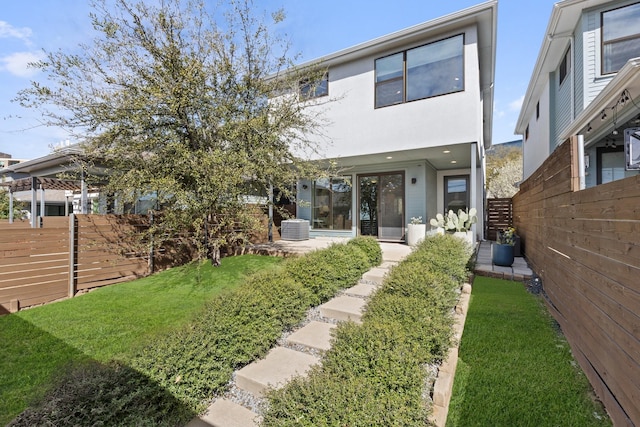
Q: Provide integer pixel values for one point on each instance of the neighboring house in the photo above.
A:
(7, 160)
(586, 83)
(37, 185)
(410, 117)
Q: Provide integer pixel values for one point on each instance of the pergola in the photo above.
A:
(40, 175)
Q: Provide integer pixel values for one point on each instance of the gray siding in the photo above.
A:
(578, 70)
(561, 105)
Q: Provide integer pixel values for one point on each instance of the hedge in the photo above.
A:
(195, 363)
(374, 374)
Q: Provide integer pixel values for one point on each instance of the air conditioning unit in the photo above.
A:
(294, 229)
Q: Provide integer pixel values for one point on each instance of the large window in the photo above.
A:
(332, 204)
(430, 70)
(620, 37)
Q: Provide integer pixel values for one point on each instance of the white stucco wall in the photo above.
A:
(536, 147)
(355, 127)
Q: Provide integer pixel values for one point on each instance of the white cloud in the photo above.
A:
(9, 31)
(517, 104)
(17, 63)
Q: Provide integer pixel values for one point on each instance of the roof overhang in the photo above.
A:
(628, 78)
(49, 165)
(562, 24)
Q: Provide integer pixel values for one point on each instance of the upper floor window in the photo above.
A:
(422, 72)
(315, 89)
(565, 66)
(620, 37)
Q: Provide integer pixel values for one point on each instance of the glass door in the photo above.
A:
(382, 205)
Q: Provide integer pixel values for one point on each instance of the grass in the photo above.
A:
(110, 323)
(515, 367)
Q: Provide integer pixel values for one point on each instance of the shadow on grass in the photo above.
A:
(69, 388)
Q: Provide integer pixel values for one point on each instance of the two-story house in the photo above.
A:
(586, 83)
(408, 127)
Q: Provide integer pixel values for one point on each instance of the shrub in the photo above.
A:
(370, 246)
(240, 326)
(104, 394)
(443, 253)
(373, 374)
(325, 272)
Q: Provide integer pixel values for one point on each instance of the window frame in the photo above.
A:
(600, 151)
(404, 76)
(618, 40)
(308, 89)
(467, 192)
(331, 212)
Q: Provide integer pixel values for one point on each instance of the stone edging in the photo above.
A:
(444, 382)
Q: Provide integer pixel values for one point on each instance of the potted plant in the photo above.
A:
(416, 231)
(458, 224)
(503, 248)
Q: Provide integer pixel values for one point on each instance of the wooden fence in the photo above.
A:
(585, 245)
(66, 255)
(499, 216)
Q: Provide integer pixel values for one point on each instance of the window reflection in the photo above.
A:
(332, 203)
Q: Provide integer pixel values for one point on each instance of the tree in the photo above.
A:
(4, 206)
(504, 171)
(197, 106)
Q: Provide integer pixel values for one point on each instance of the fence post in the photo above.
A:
(72, 255)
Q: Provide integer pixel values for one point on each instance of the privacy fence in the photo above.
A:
(499, 216)
(75, 253)
(585, 245)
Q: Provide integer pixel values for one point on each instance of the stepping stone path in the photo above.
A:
(296, 352)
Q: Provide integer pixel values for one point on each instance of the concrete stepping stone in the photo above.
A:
(280, 365)
(375, 275)
(315, 335)
(344, 308)
(225, 413)
(361, 290)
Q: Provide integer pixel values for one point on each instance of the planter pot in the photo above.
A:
(502, 255)
(415, 233)
(467, 236)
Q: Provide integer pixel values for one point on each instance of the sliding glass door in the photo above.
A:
(382, 205)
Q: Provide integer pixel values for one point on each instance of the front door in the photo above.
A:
(382, 205)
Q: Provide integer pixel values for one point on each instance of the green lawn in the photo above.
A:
(515, 367)
(106, 324)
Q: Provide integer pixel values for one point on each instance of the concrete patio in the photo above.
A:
(519, 271)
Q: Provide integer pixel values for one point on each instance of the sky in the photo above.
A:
(28, 28)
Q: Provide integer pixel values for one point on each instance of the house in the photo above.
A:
(409, 122)
(38, 186)
(586, 84)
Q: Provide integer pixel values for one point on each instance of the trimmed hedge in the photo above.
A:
(326, 271)
(374, 373)
(370, 246)
(169, 381)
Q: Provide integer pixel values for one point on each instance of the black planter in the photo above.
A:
(502, 255)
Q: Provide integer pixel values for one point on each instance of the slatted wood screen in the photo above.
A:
(499, 216)
(585, 245)
(35, 263)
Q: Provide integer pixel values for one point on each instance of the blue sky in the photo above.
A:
(315, 28)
